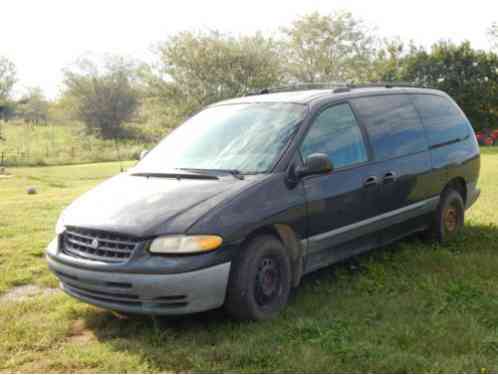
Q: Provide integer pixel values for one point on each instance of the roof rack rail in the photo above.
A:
(298, 86)
(386, 84)
(336, 87)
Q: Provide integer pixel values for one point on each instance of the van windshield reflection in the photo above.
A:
(246, 138)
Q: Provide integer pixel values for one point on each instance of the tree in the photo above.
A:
(469, 76)
(196, 69)
(33, 107)
(387, 62)
(7, 81)
(104, 97)
(493, 35)
(335, 47)
(7, 78)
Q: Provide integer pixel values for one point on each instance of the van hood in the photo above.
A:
(148, 206)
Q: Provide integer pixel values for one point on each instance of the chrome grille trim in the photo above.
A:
(112, 248)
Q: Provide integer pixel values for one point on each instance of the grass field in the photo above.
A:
(411, 307)
(24, 145)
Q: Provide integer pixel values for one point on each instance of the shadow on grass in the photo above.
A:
(152, 336)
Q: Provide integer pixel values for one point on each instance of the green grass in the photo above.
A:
(410, 307)
(26, 145)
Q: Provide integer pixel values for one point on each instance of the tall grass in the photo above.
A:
(25, 145)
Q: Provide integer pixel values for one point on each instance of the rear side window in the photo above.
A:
(393, 125)
(442, 119)
(336, 133)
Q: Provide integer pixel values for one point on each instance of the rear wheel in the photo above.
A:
(260, 280)
(449, 217)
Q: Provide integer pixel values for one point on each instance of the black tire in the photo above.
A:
(260, 280)
(449, 217)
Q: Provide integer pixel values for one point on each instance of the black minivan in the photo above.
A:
(247, 196)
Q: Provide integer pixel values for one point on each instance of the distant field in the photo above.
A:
(409, 307)
(56, 144)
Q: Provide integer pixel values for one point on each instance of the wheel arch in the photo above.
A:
(285, 234)
(458, 184)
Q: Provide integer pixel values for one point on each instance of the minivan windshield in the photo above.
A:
(247, 138)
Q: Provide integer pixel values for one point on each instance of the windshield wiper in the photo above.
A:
(177, 175)
(234, 172)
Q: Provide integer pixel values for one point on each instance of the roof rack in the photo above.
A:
(386, 84)
(336, 87)
(298, 86)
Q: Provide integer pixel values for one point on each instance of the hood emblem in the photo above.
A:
(94, 244)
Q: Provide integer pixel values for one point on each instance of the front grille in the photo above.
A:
(97, 245)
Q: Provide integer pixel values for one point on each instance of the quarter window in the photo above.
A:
(393, 125)
(336, 133)
(442, 119)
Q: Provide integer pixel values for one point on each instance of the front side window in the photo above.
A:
(336, 133)
(244, 137)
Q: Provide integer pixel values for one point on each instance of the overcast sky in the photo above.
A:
(42, 37)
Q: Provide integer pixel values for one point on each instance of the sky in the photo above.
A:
(43, 37)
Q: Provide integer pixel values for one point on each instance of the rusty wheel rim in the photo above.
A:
(451, 219)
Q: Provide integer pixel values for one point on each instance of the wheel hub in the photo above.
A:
(267, 283)
(451, 219)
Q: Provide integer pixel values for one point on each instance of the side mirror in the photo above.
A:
(142, 154)
(313, 165)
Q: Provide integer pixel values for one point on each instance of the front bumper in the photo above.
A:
(152, 294)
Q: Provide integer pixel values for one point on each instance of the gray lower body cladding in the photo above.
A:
(154, 294)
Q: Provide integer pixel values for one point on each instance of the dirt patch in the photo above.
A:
(6, 176)
(20, 293)
(79, 333)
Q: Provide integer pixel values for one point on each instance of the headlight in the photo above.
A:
(185, 244)
(59, 227)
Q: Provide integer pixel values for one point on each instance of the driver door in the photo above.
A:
(339, 200)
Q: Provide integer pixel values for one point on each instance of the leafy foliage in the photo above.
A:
(387, 64)
(335, 47)
(33, 107)
(469, 76)
(7, 81)
(196, 69)
(493, 35)
(104, 99)
(7, 78)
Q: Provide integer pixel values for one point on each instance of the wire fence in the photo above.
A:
(68, 155)
(22, 145)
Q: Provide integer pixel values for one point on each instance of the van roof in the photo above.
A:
(308, 96)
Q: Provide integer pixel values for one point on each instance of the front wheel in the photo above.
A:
(260, 280)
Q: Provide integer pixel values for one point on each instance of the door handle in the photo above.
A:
(370, 181)
(389, 177)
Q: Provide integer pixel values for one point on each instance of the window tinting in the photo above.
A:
(442, 119)
(336, 133)
(393, 125)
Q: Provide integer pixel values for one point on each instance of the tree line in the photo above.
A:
(194, 69)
